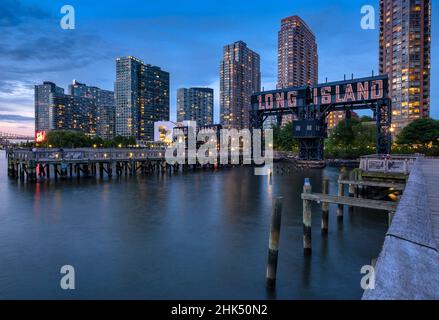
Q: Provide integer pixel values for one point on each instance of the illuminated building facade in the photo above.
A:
(142, 98)
(297, 56)
(42, 104)
(105, 107)
(335, 117)
(405, 56)
(240, 77)
(195, 104)
(90, 110)
(69, 112)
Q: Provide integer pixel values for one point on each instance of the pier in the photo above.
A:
(33, 165)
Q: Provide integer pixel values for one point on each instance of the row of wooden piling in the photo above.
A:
(273, 248)
(31, 171)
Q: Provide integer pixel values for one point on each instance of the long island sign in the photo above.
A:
(352, 92)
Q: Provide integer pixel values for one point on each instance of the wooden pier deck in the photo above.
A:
(430, 169)
(394, 185)
(349, 201)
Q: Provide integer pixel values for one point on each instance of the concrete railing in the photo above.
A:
(388, 164)
(408, 265)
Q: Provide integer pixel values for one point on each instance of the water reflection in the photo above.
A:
(191, 235)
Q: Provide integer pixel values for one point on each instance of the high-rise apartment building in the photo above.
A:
(86, 109)
(240, 77)
(42, 104)
(335, 117)
(297, 54)
(68, 112)
(105, 107)
(405, 56)
(102, 97)
(142, 98)
(195, 104)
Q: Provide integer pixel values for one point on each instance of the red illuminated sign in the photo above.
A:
(40, 136)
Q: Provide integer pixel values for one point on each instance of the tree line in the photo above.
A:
(76, 139)
(357, 137)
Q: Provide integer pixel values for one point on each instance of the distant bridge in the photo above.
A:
(13, 136)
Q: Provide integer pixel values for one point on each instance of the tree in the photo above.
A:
(366, 119)
(77, 139)
(421, 132)
(67, 139)
(351, 139)
(420, 136)
(283, 138)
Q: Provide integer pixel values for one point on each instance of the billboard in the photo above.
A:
(352, 91)
(355, 91)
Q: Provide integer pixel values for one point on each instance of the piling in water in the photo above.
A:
(340, 207)
(307, 219)
(273, 247)
(390, 217)
(325, 207)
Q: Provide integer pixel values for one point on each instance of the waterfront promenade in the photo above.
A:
(430, 170)
(408, 265)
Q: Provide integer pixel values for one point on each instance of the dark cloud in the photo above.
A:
(15, 118)
(16, 12)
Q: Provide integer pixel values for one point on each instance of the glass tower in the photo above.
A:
(142, 98)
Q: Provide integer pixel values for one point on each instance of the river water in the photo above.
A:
(195, 235)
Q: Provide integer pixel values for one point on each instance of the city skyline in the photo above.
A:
(95, 38)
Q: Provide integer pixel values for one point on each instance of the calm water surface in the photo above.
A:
(197, 235)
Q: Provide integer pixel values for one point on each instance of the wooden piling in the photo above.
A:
(325, 206)
(273, 247)
(352, 177)
(390, 215)
(340, 207)
(307, 245)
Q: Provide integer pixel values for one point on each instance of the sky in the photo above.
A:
(185, 38)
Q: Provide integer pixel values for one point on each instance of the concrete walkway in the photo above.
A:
(430, 170)
(408, 265)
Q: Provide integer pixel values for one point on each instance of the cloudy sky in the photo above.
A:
(184, 37)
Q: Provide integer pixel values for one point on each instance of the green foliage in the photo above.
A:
(283, 138)
(351, 139)
(366, 119)
(67, 139)
(77, 139)
(420, 132)
(420, 136)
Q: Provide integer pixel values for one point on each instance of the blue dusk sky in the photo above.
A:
(185, 38)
